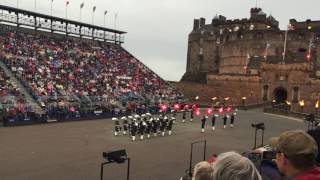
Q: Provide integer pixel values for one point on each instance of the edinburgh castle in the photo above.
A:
(253, 61)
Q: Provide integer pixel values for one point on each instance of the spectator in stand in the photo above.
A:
(11, 99)
(296, 155)
(233, 166)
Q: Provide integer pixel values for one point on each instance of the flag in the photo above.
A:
(67, 3)
(229, 109)
(105, 12)
(209, 111)
(164, 108)
(94, 8)
(268, 45)
(176, 107)
(290, 27)
(81, 5)
(197, 112)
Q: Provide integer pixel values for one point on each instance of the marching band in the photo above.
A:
(162, 124)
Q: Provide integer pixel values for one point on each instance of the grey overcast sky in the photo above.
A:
(158, 29)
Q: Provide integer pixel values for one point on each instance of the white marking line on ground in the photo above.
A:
(285, 117)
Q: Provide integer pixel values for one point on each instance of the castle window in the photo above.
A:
(201, 41)
(201, 51)
(265, 93)
(258, 35)
(301, 36)
(302, 50)
(295, 94)
(251, 27)
(218, 40)
(221, 31)
(227, 39)
(239, 35)
(236, 28)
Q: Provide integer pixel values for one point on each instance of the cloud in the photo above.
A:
(158, 29)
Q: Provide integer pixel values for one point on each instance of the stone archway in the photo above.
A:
(280, 95)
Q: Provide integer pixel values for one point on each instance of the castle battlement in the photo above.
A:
(253, 58)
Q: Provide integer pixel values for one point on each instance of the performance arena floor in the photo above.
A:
(73, 150)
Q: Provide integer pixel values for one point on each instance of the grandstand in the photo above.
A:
(70, 70)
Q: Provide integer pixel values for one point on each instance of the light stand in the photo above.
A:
(311, 121)
(259, 126)
(115, 157)
(204, 154)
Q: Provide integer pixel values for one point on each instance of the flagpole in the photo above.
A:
(266, 55)
(104, 24)
(81, 6)
(67, 9)
(285, 46)
(51, 6)
(115, 20)
(93, 10)
(247, 61)
(309, 50)
(104, 18)
(310, 42)
(115, 26)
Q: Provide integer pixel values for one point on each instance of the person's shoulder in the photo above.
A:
(312, 174)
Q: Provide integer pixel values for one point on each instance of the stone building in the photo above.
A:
(245, 58)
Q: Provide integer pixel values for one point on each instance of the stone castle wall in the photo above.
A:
(218, 55)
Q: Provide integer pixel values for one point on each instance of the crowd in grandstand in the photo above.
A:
(68, 75)
(12, 100)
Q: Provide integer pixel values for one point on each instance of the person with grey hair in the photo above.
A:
(202, 171)
(232, 165)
